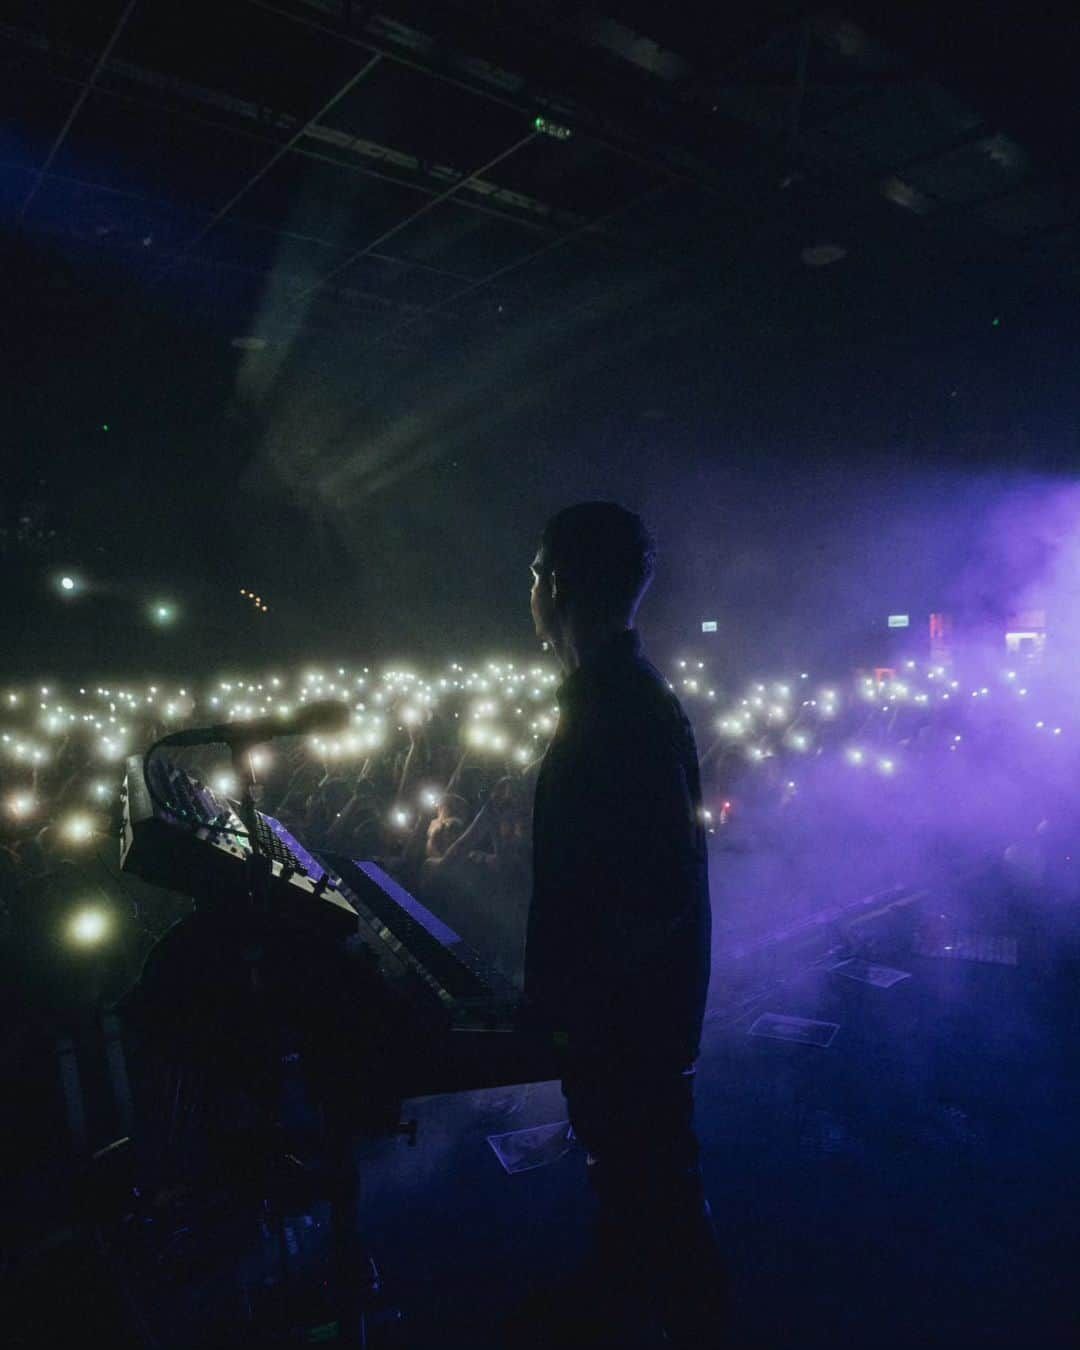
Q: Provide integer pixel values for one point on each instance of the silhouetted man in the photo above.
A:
(618, 939)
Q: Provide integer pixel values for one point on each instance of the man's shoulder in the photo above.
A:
(657, 694)
(642, 708)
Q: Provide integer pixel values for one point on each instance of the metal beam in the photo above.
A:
(645, 161)
(536, 222)
(531, 257)
(415, 215)
(279, 154)
(83, 95)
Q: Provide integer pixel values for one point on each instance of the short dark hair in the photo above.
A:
(604, 553)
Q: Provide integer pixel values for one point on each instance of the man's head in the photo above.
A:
(593, 565)
(442, 832)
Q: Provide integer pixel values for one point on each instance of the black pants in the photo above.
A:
(653, 1227)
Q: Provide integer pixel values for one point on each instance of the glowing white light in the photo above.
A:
(886, 765)
(855, 756)
(77, 829)
(224, 783)
(401, 818)
(88, 926)
(410, 716)
(430, 798)
(21, 804)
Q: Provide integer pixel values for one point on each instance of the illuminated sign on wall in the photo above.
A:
(899, 620)
(708, 626)
(1029, 644)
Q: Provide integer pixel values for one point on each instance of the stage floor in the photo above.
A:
(913, 1183)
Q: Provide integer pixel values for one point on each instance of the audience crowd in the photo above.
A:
(434, 780)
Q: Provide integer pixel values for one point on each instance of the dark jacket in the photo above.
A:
(618, 939)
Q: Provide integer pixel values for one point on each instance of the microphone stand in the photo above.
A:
(353, 1270)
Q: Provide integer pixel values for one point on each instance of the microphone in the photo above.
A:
(326, 715)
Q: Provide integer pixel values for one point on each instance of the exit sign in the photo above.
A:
(708, 626)
(899, 620)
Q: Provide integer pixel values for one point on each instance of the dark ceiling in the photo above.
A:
(384, 170)
(335, 237)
